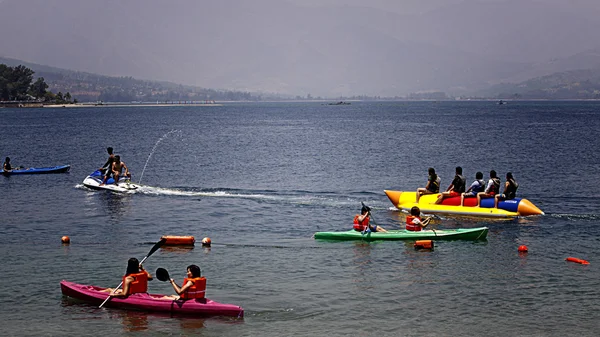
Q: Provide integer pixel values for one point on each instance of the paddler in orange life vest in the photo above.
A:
(135, 280)
(414, 222)
(491, 189)
(193, 286)
(361, 221)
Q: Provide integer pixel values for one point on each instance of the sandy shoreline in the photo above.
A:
(125, 105)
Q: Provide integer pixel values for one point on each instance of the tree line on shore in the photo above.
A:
(17, 84)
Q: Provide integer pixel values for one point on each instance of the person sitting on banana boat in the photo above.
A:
(456, 188)
(477, 186)
(433, 184)
(491, 189)
(510, 189)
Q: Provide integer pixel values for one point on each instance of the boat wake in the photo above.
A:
(301, 198)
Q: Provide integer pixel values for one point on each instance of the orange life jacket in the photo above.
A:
(139, 284)
(197, 290)
(410, 226)
(361, 226)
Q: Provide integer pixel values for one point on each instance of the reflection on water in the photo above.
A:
(361, 262)
(177, 249)
(117, 204)
(133, 320)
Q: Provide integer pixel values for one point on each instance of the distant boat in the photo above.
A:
(500, 102)
(339, 103)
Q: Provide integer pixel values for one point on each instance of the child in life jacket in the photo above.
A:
(134, 281)
(361, 221)
(414, 222)
(193, 286)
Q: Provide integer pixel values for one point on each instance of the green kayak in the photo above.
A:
(478, 233)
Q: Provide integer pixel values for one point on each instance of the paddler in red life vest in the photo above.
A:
(491, 189)
(361, 221)
(135, 280)
(414, 222)
(193, 286)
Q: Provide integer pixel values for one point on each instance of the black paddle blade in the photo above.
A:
(157, 245)
(162, 274)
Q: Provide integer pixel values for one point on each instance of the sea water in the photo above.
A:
(260, 179)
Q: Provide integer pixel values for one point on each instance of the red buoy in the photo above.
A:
(424, 244)
(523, 249)
(65, 239)
(206, 242)
(576, 260)
(174, 240)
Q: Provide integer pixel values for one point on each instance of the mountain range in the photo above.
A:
(289, 47)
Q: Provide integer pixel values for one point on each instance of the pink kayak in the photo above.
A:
(150, 302)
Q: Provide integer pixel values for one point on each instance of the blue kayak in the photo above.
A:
(38, 170)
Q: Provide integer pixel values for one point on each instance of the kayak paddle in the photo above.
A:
(154, 249)
(162, 274)
(367, 227)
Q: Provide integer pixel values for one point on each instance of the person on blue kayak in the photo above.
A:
(433, 184)
(361, 221)
(510, 189)
(117, 170)
(7, 167)
(477, 186)
(414, 222)
(193, 286)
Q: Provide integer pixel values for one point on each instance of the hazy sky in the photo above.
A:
(398, 6)
(324, 47)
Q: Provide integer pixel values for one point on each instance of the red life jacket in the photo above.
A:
(197, 290)
(361, 226)
(410, 226)
(139, 284)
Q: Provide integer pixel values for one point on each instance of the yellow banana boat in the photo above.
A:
(451, 205)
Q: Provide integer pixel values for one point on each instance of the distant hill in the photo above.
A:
(88, 87)
(574, 84)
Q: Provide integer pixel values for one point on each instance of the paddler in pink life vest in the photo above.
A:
(414, 222)
(361, 221)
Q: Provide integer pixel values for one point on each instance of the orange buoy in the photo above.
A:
(206, 242)
(523, 249)
(174, 240)
(576, 260)
(424, 244)
(65, 239)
